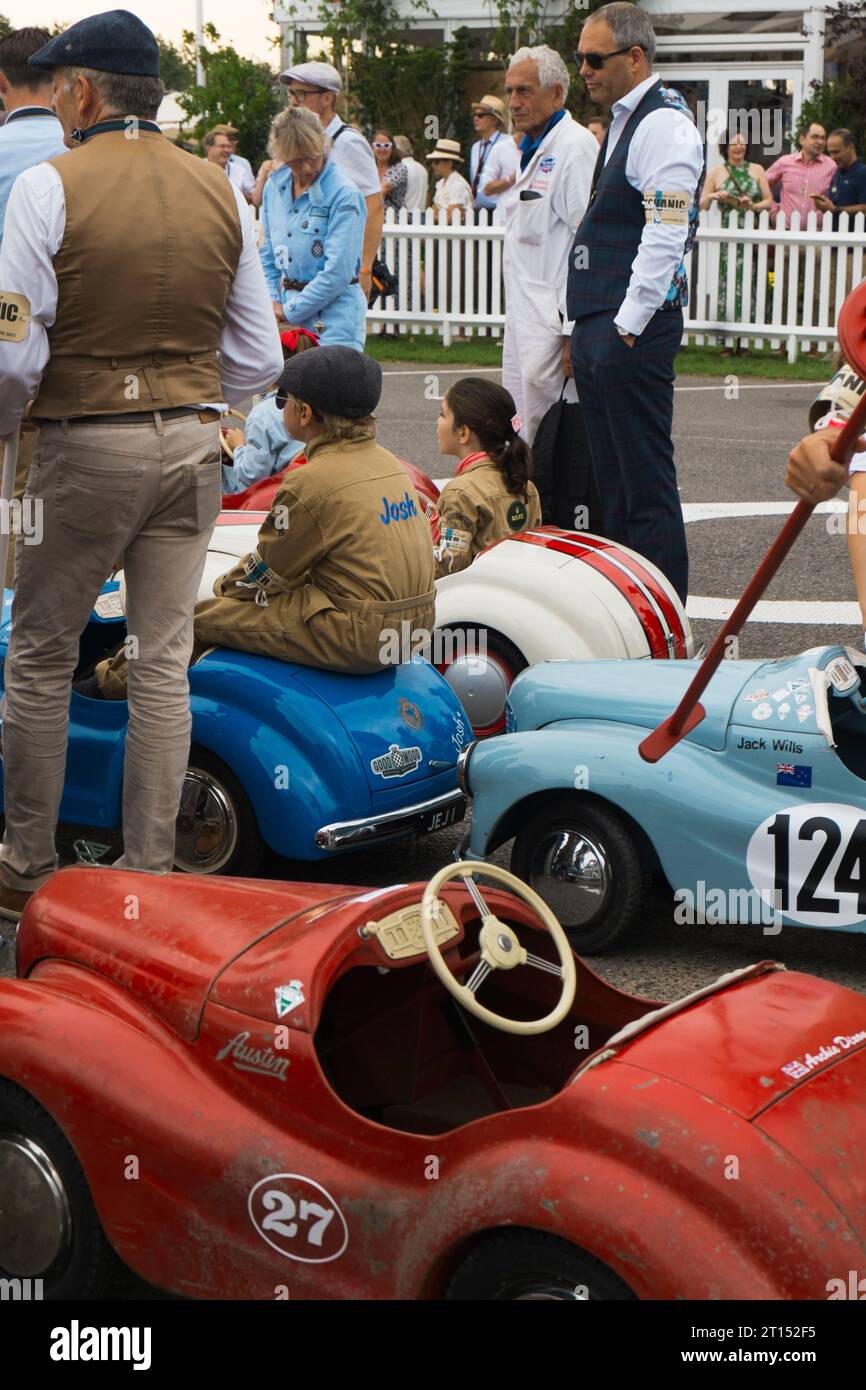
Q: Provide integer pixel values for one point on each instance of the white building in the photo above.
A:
(722, 54)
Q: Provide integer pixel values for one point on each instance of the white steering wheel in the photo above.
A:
(500, 948)
(238, 415)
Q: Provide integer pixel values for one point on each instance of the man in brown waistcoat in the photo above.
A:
(146, 310)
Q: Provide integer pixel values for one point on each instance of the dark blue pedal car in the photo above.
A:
(305, 762)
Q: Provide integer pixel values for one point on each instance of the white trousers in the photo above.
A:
(532, 366)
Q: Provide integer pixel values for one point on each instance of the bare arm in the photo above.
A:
(372, 238)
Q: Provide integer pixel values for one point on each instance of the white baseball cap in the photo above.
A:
(316, 75)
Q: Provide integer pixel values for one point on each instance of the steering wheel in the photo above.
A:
(500, 948)
(223, 441)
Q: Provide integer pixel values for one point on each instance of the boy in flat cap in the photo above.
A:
(345, 552)
(136, 331)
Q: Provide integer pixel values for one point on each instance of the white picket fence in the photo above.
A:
(792, 279)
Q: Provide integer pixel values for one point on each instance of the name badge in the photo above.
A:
(666, 207)
(14, 317)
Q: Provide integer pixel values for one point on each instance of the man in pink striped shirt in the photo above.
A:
(802, 176)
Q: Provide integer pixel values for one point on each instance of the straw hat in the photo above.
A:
(493, 107)
(447, 149)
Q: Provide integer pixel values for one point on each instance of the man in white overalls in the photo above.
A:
(557, 158)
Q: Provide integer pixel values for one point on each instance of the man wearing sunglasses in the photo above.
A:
(627, 285)
(316, 86)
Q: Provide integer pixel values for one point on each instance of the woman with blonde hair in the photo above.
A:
(313, 224)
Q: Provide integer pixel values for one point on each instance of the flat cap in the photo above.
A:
(314, 75)
(337, 380)
(116, 41)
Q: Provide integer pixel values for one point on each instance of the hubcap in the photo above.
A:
(571, 872)
(35, 1216)
(206, 831)
(481, 684)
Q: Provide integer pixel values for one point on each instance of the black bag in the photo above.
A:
(385, 282)
(562, 469)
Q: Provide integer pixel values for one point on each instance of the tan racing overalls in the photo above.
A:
(475, 509)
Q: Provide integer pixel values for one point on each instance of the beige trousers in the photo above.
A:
(145, 495)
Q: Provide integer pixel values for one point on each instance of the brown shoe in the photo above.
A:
(12, 901)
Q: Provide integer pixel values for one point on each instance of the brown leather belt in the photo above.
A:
(135, 417)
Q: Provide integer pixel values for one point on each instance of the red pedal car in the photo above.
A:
(265, 1090)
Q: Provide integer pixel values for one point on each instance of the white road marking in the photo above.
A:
(718, 511)
(437, 369)
(777, 611)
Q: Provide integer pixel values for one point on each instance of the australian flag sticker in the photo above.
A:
(793, 775)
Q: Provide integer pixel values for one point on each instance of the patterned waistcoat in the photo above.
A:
(607, 240)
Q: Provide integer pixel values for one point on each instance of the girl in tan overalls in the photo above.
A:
(490, 496)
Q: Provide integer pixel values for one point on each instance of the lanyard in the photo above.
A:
(25, 113)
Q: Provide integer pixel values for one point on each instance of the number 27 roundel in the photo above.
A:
(809, 861)
(298, 1218)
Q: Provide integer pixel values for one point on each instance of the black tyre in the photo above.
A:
(584, 863)
(480, 665)
(532, 1266)
(49, 1229)
(216, 829)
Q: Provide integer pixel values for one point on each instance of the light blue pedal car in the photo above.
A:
(757, 815)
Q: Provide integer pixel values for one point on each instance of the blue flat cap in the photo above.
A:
(112, 42)
(337, 380)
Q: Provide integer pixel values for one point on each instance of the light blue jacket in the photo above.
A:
(267, 448)
(318, 238)
(26, 139)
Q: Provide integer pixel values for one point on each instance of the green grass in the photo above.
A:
(691, 361)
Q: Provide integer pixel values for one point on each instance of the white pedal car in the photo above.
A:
(539, 596)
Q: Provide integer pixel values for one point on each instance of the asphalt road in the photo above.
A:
(728, 451)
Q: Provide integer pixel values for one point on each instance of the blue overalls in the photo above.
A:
(317, 239)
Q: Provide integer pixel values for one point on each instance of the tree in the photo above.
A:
(177, 69)
(5, 26)
(839, 102)
(237, 91)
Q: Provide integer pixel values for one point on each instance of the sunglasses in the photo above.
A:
(383, 144)
(598, 60)
(296, 93)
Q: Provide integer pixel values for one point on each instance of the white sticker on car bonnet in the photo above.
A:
(809, 860)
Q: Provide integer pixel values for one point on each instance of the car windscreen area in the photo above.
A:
(397, 1048)
(849, 731)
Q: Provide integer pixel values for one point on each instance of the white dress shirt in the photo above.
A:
(251, 357)
(417, 185)
(502, 162)
(355, 158)
(453, 192)
(240, 172)
(665, 153)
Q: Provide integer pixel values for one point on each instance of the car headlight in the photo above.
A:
(463, 767)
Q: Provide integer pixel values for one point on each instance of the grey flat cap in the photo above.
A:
(337, 380)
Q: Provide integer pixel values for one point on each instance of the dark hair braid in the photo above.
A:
(487, 410)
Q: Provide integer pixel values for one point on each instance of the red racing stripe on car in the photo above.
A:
(626, 584)
(649, 580)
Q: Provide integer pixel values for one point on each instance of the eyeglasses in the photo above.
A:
(297, 93)
(383, 144)
(280, 399)
(598, 60)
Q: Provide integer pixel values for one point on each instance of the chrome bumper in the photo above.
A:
(426, 816)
